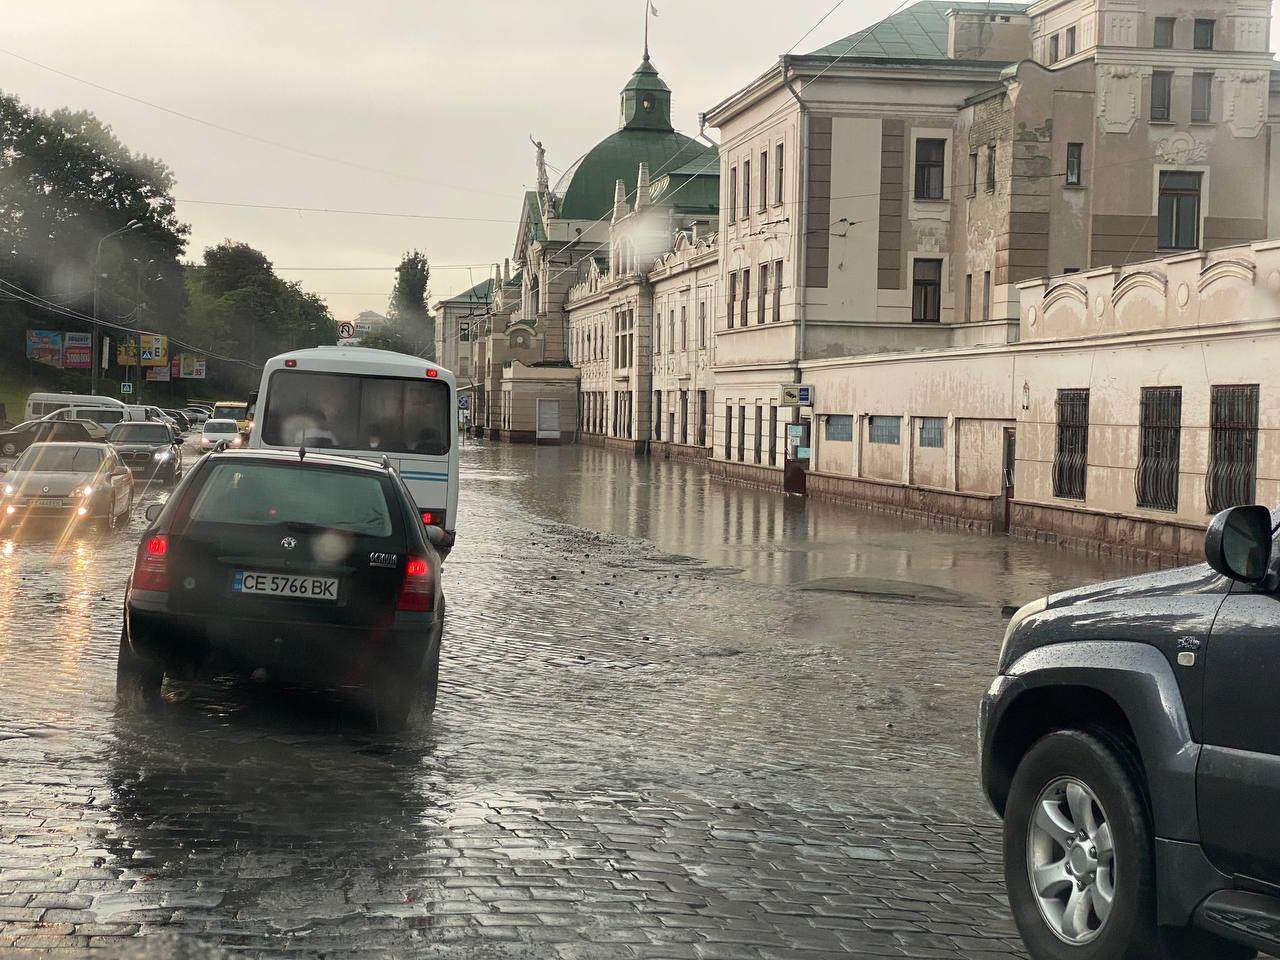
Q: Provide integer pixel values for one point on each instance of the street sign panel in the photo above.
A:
(464, 402)
(795, 394)
(126, 388)
(346, 330)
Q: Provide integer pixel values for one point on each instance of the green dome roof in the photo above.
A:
(646, 136)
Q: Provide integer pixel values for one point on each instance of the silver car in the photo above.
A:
(76, 483)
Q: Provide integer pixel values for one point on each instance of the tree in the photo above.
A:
(412, 323)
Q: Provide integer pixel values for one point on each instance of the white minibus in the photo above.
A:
(369, 404)
(39, 404)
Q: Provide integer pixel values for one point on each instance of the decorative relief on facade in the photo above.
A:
(1099, 305)
(1244, 102)
(1182, 148)
(1122, 29)
(1184, 295)
(1226, 269)
(1251, 34)
(1139, 280)
(1273, 281)
(1066, 290)
(1119, 94)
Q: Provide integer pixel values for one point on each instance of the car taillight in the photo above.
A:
(433, 518)
(415, 593)
(151, 571)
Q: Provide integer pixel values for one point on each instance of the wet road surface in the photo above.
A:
(676, 719)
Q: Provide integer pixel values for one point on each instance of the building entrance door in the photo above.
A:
(548, 419)
(1010, 460)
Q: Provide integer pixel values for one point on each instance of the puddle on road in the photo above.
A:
(899, 590)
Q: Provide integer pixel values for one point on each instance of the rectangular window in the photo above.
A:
(991, 168)
(839, 427)
(742, 433)
(1159, 440)
(733, 297)
(1233, 446)
(733, 196)
(702, 418)
(762, 297)
(1053, 49)
(1075, 164)
(657, 415)
(1178, 222)
(926, 291)
(973, 174)
(764, 179)
(885, 430)
(968, 297)
(684, 327)
(777, 290)
(777, 174)
(933, 431)
(671, 333)
(759, 436)
(986, 295)
(1161, 95)
(702, 323)
(657, 333)
(1071, 41)
(1204, 35)
(773, 436)
(1164, 33)
(684, 417)
(728, 430)
(930, 165)
(746, 189)
(1201, 97)
(1071, 453)
(746, 295)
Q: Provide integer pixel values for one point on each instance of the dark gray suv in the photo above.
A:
(1131, 742)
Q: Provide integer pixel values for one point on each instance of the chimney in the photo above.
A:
(620, 209)
(642, 187)
(506, 269)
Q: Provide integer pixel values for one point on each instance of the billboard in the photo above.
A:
(76, 350)
(199, 370)
(155, 349)
(45, 346)
(189, 365)
(175, 367)
(157, 374)
(127, 352)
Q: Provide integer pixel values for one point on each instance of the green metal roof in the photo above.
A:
(588, 194)
(916, 33)
(477, 294)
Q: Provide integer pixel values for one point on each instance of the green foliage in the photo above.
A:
(412, 327)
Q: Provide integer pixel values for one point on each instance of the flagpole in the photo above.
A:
(646, 29)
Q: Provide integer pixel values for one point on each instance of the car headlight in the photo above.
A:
(9, 490)
(85, 491)
(1024, 613)
(162, 455)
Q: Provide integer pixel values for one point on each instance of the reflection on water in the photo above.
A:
(772, 538)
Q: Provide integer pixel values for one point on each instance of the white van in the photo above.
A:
(371, 404)
(106, 416)
(39, 404)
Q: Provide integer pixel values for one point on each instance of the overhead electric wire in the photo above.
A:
(301, 151)
(290, 208)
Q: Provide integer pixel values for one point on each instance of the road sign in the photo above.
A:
(464, 402)
(346, 330)
(795, 395)
(126, 388)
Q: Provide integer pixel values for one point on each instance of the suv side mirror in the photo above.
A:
(1238, 543)
(153, 511)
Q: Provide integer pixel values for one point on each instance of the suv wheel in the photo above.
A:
(9, 448)
(138, 681)
(1079, 859)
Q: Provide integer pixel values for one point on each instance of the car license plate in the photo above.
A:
(285, 585)
(49, 502)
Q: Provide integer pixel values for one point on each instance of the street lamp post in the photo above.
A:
(97, 270)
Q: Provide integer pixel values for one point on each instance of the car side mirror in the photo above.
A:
(1238, 543)
(153, 511)
(436, 536)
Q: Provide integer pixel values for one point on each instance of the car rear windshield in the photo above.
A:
(230, 411)
(141, 433)
(220, 426)
(359, 413)
(44, 459)
(259, 493)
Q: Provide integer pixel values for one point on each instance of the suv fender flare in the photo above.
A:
(1140, 680)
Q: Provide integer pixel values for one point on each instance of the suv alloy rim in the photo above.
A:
(1071, 860)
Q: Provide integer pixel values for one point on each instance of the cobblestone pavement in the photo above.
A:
(677, 719)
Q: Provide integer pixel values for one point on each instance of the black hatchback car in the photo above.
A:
(1131, 742)
(308, 567)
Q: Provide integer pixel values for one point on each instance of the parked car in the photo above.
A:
(13, 442)
(1131, 743)
(180, 418)
(40, 404)
(197, 415)
(216, 433)
(97, 432)
(149, 450)
(81, 483)
(308, 567)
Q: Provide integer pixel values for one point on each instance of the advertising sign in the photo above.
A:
(197, 372)
(155, 350)
(127, 352)
(157, 374)
(76, 350)
(175, 367)
(45, 346)
(795, 394)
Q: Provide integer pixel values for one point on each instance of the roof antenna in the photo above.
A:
(302, 454)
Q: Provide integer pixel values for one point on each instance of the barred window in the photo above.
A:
(1233, 446)
(933, 431)
(839, 427)
(1160, 433)
(885, 430)
(1071, 454)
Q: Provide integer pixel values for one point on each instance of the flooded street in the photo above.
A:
(676, 719)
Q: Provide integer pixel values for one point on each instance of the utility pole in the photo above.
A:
(97, 275)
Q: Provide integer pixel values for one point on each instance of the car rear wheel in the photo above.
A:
(138, 681)
(1080, 858)
(8, 448)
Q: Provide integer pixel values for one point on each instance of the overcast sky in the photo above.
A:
(444, 94)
